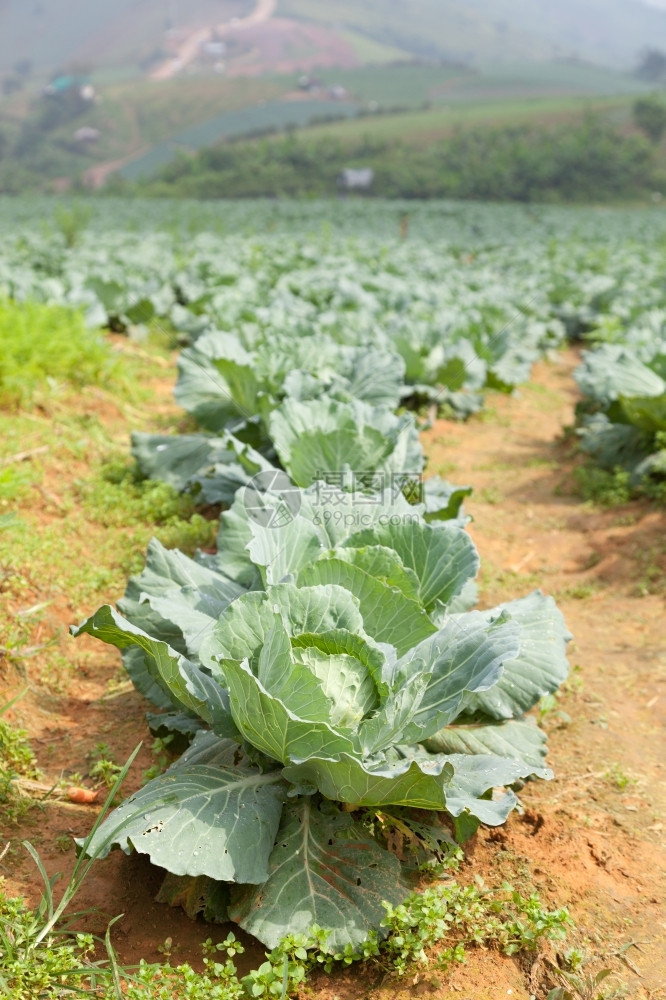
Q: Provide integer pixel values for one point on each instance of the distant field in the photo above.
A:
(421, 127)
(368, 50)
(403, 84)
(428, 28)
(408, 85)
(233, 124)
(412, 84)
(608, 32)
(134, 118)
(416, 126)
(540, 79)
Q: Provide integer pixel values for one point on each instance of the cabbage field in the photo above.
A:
(328, 669)
(284, 304)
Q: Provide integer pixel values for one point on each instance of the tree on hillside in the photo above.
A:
(652, 67)
(650, 116)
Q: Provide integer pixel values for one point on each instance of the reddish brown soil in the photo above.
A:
(284, 46)
(592, 839)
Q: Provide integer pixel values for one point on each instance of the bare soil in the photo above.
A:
(592, 839)
(285, 46)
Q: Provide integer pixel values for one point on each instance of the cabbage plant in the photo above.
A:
(328, 672)
(624, 410)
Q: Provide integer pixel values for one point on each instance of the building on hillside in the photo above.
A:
(65, 84)
(338, 93)
(356, 179)
(86, 135)
(310, 84)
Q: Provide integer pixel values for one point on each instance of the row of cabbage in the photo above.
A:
(368, 318)
(458, 322)
(623, 414)
(611, 298)
(324, 666)
(430, 339)
(616, 306)
(461, 223)
(469, 301)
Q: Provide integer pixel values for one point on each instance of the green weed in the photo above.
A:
(102, 767)
(577, 591)
(491, 415)
(72, 222)
(38, 957)
(64, 964)
(15, 482)
(44, 348)
(16, 761)
(618, 778)
(578, 986)
(163, 757)
(433, 926)
(491, 495)
(60, 546)
(608, 489)
(549, 709)
(118, 497)
(654, 490)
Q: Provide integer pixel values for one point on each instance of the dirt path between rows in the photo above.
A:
(592, 839)
(600, 848)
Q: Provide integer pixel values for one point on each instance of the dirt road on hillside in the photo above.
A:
(189, 48)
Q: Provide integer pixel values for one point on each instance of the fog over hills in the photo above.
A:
(126, 33)
(610, 32)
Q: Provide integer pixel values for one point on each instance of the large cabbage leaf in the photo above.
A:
(212, 787)
(326, 870)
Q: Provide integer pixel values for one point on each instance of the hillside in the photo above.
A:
(166, 77)
(608, 32)
(133, 37)
(107, 33)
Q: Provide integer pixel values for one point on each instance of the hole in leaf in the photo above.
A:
(358, 881)
(157, 828)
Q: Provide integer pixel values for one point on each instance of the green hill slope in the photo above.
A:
(54, 33)
(603, 31)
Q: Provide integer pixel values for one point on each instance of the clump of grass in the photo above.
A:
(15, 482)
(580, 591)
(119, 497)
(43, 347)
(64, 964)
(600, 486)
(618, 778)
(72, 222)
(16, 761)
(655, 490)
(613, 488)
